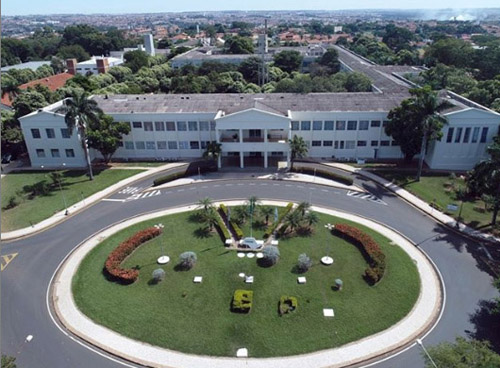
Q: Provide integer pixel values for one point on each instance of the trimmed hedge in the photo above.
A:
(222, 227)
(287, 304)
(168, 178)
(118, 255)
(271, 227)
(324, 174)
(242, 301)
(238, 233)
(370, 249)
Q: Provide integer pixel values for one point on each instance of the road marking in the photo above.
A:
(288, 185)
(216, 185)
(180, 190)
(6, 259)
(276, 185)
(130, 190)
(263, 184)
(301, 187)
(252, 184)
(203, 187)
(114, 200)
(365, 196)
(229, 185)
(324, 190)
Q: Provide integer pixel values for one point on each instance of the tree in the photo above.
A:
(298, 148)
(73, 52)
(311, 219)
(266, 212)
(288, 60)
(484, 179)
(250, 69)
(304, 263)
(57, 64)
(238, 45)
(213, 151)
(462, 354)
(397, 38)
(271, 255)
(205, 204)
(210, 218)
(105, 135)
(330, 59)
(8, 361)
(358, 82)
(292, 221)
(10, 86)
(136, 59)
(120, 73)
(27, 102)
(80, 112)
(187, 260)
(451, 51)
(252, 203)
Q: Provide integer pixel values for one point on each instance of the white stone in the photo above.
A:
(241, 274)
(249, 279)
(242, 353)
(241, 255)
(229, 241)
(274, 242)
(198, 279)
(301, 280)
(328, 312)
(250, 255)
(327, 260)
(260, 255)
(163, 260)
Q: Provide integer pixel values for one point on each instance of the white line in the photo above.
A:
(229, 185)
(276, 185)
(324, 190)
(180, 190)
(216, 185)
(114, 200)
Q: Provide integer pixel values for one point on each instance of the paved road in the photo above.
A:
(26, 278)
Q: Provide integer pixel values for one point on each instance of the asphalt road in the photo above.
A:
(25, 280)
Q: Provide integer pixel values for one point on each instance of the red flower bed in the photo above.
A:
(370, 249)
(118, 255)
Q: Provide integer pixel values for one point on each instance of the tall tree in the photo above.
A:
(212, 151)
(288, 60)
(298, 148)
(330, 59)
(105, 135)
(80, 112)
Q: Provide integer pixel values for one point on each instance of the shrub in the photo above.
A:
(324, 174)
(242, 301)
(369, 248)
(339, 284)
(158, 275)
(168, 178)
(222, 227)
(118, 255)
(238, 233)
(272, 227)
(271, 255)
(11, 203)
(304, 263)
(287, 304)
(187, 260)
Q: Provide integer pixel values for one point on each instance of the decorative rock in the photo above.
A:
(241, 274)
(198, 279)
(241, 255)
(328, 312)
(301, 280)
(338, 284)
(242, 353)
(250, 255)
(260, 255)
(249, 279)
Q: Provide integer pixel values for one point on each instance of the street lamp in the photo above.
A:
(419, 342)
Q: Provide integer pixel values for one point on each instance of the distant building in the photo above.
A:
(33, 65)
(95, 65)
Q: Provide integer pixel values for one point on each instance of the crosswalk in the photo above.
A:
(136, 196)
(130, 190)
(365, 196)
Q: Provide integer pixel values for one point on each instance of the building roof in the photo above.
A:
(33, 65)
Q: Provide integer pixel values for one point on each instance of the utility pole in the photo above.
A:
(263, 72)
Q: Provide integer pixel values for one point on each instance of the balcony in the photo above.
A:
(253, 139)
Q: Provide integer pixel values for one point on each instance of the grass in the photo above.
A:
(139, 164)
(75, 185)
(196, 318)
(259, 224)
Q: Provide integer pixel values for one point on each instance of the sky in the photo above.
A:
(25, 7)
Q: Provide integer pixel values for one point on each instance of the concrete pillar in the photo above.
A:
(219, 161)
(241, 135)
(265, 135)
(217, 135)
(288, 159)
(242, 160)
(265, 160)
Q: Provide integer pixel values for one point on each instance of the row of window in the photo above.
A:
(163, 145)
(172, 126)
(338, 125)
(352, 144)
(455, 135)
(49, 132)
(54, 152)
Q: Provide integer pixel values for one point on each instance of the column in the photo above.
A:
(265, 135)
(288, 159)
(219, 161)
(242, 160)
(241, 135)
(265, 159)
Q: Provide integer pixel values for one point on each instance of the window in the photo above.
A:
(40, 152)
(159, 125)
(193, 126)
(148, 126)
(361, 143)
(140, 145)
(183, 145)
(449, 137)
(65, 132)
(35, 133)
(170, 126)
(120, 144)
(327, 143)
(339, 145)
(212, 125)
(181, 126)
(385, 143)
(351, 125)
(458, 136)
(204, 125)
(194, 145)
(55, 152)
(316, 143)
(70, 152)
(305, 125)
(363, 124)
(466, 135)
(150, 145)
(204, 144)
(374, 143)
(340, 125)
(475, 135)
(129, 145)
(317, 125)
(329, 125)
(295, 125)
(50, 133)
(137, 124)
(349, 144)
(375, 123)
(161, 145)
(384, 124)
(172, 145)
(394, 143)
(484, 135)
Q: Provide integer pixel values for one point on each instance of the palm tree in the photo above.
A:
(205, 204)
(80, 112)
(266, 212)
(298, 148)
(252, 204)
(210, 218)
(303, 207)
(311, 219)
(292, 220)
(212, 151)
(10, 88)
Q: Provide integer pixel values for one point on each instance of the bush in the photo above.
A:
(222, 227)
(158, 275)
(238, 233)
(272, 227)
(287, 304)
(168, 178)
(304, 263)
(187, 260)
(271, 255)
(369, 248)
(324, 174)
(118, 255)
(11, 203)
(242, 301)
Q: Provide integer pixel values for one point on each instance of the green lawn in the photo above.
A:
(140, 164)
(196, 318)
(259, 224)
(75, 185)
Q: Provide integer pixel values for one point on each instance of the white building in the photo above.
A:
(95, 65)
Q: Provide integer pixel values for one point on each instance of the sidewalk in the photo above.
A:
(77, 207)
(417, 202)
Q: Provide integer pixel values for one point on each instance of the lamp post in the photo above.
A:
(419, 342)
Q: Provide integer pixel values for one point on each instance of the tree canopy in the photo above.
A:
(105, 135)
(288, 60)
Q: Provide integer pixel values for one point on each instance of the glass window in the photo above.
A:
(484, 135)
(159, 125)
(137, 124)
(172, 145)
(170, 126)
(475, 134)
(181, 126)
(449, 137)
(204, 125)
(316, 143)
(150, 145)
(327, 143)
(140, 145)
(305, 125)
(148, 126)
(374, 143)
(385, 143)
(458, 135)
(317, 125)
(384, 124)
(363, 125)
(40, 152)
(120, 144)
(375, 123)
(328, 125)
(65, 132)
(55, 152)
(129, 145)
(341, 144)
(361, 143)
(349, 144)
(351, 125)
(194, 145)
(35, 133)
(161, 145)
(183, 145)
(70, 152)
(466, 135)
(193, 126)
(212, 125)
(50, 133)
(295, 125)
(340, 125)
(394, 143)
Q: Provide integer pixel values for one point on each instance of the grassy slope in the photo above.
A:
(195, 318)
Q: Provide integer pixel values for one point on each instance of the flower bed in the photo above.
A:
(369, 248)
(113, 263)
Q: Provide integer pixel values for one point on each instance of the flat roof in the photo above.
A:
(33, 65)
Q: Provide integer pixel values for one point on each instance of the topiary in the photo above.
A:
(158, 275)
(271, 255)
(187, 260)
(304, 263)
